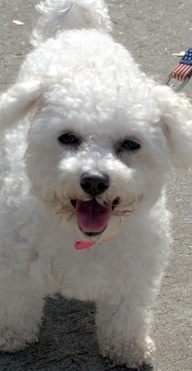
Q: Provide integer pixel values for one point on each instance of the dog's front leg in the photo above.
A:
(122, 329)
(21, 309)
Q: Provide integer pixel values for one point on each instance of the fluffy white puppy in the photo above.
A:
(87, 142)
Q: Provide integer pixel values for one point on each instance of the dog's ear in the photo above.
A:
(18, 101)
(176, 121)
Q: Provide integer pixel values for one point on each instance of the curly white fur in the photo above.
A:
(69, 14)
(80, 82)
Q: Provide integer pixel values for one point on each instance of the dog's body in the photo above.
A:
(86, 166)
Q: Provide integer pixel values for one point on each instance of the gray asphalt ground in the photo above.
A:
(152, 30)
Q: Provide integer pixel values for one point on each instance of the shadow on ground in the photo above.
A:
(67, 342)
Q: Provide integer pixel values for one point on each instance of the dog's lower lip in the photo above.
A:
(115, 203)
(92, 234)
(73, 203)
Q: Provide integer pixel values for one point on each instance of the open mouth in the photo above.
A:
(92, 217)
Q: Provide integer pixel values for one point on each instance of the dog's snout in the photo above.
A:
(94, 184)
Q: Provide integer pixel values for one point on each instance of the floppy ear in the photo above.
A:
(18, 101)
(176, 121)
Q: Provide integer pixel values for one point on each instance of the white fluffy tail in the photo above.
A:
(69, 14)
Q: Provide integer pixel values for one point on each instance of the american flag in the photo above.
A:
(184, 69)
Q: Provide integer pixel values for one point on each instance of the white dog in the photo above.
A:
(87, 142)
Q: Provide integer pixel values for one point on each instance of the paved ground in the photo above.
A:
(153, 31)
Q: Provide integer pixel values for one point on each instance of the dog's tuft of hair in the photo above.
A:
(69, 14)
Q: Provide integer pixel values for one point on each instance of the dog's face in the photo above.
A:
(98, 156)
(95, 161)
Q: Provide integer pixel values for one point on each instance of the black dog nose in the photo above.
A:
(94, 184)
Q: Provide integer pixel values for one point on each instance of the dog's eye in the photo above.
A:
(130, 145)
(69, 139)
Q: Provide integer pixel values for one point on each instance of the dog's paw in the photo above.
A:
(131, 354)
(11, 341)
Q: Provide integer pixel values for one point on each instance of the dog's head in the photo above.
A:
(98, 156)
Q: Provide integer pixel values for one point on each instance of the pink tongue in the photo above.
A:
(91, 216)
